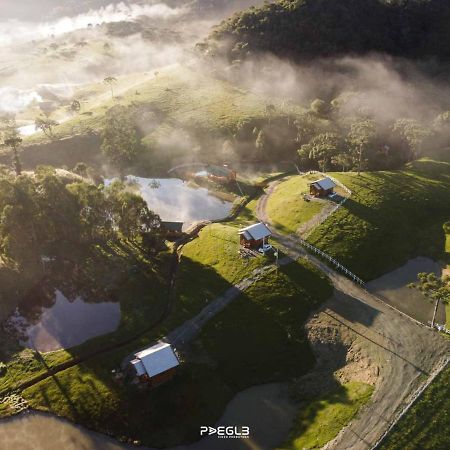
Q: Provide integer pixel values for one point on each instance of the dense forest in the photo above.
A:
(302, 29)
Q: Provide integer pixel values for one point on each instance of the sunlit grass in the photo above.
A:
(286, 207)
(319, 421)
(390, 218)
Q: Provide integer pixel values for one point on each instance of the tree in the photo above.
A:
(344, 160)
(110, 81)
(321, 148)
(75, 106)
(413, 132)
(120, 141)
(435, 288)
(319, 107)
(81, 169)
(46, 125)
(306, 125)
(14, 143)
(261, 141)
(12, 139)
(360, 138)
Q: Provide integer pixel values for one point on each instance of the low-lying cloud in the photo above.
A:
(14, 30)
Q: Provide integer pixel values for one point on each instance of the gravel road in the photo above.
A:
(406, 352)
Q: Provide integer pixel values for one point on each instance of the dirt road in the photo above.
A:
(405, 352)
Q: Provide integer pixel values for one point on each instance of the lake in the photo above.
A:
(393, 287)
(65, 323)
(178, 201)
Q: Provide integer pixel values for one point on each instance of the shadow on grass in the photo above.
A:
(231, 353)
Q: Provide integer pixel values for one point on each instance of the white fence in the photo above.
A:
(324, 255)
(336, 263)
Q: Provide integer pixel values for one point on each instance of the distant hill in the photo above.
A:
(303, 29)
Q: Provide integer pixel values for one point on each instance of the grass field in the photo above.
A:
(181, 97)
(319, 421)
(265, 320)
(286, 208)
(390, 218)
(425, 425)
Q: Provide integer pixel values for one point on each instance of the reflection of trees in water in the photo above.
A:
(83, 281)
(74, 281)
(39, 297)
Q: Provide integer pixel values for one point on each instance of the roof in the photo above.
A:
(324, 183)
(173, 226)
(138, 366)
(219, 171)
(158, 359)
(257, 231)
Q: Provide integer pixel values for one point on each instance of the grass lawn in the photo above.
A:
(319, 421)
(390, 218)
(426, 425)
(230, 354)
(286, 208)
(108, 267)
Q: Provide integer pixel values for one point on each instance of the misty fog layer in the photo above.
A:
(114, 39)
(380, 86)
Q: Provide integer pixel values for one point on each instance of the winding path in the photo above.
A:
(407, 353)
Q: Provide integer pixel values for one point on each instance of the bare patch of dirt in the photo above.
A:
(341, 358)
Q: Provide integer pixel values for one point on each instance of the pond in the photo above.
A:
(178, 201)
(27, 130)
(266, 410)
(393, 288)
(64, 323)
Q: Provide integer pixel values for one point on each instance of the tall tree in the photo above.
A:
(435, 288)
(344, 160)
(120, 141)
(110, 81)
(14, 143)
(413, 132)
(360, 138)
(46, 125)
(12, 140)
(321, 148)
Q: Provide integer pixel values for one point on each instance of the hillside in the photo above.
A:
(301, 29)
(390, 218)
(179, 114)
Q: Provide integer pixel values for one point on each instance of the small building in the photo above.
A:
(322, 188)
(221, 174)
(254, 236)
(173, 230)
(156, 365)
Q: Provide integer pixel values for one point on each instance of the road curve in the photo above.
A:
(406, 352)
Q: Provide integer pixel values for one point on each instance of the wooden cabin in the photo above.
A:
(322, 188)
(254, 236)
(156, 365)
(173, 230)
(221, 174)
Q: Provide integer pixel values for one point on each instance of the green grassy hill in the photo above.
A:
(425, 425)
(390, 218)
(180, 114)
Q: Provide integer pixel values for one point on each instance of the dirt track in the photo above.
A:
(405, 352)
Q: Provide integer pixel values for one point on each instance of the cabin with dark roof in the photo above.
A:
(322, 188)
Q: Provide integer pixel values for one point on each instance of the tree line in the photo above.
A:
(45, 214)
